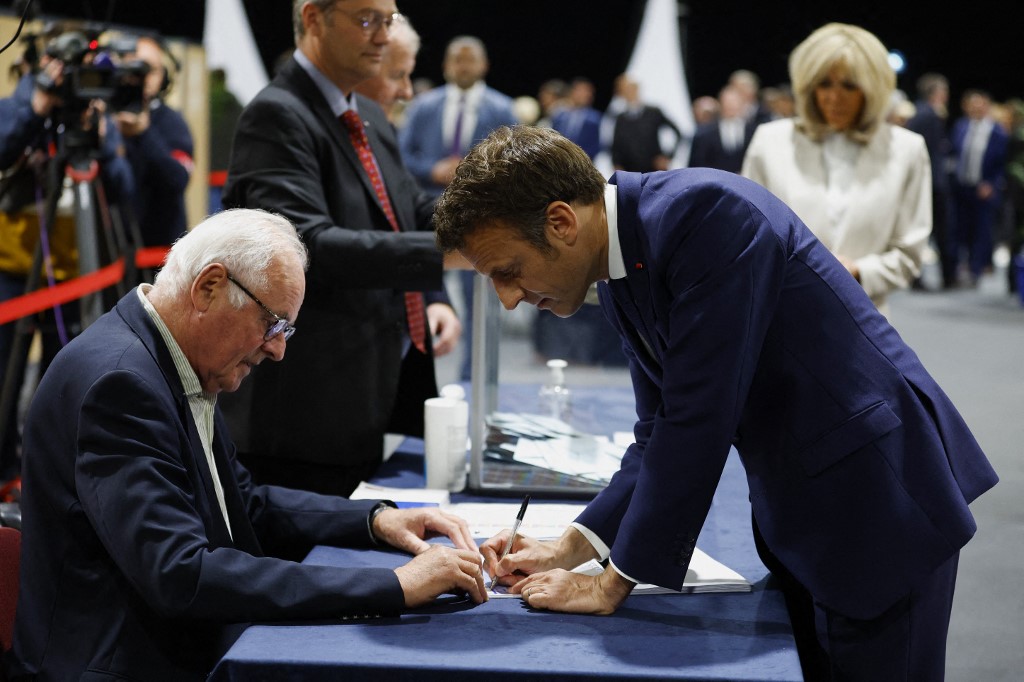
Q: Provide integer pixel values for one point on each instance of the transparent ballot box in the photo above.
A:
(518, 446)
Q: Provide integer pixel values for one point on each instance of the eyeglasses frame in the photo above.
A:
(280, 325)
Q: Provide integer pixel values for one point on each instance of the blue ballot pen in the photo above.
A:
(511, 538)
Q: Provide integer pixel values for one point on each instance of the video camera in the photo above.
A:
(95, 72)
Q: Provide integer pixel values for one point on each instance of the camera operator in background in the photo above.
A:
(159, 147)
(36, 122)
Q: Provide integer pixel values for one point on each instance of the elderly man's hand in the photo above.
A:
(408, 529)
(441, 570)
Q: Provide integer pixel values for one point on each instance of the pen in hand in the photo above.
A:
(511, 538)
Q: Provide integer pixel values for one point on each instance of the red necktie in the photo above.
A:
(414, 308)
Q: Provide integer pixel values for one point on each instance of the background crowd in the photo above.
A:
(974, 148)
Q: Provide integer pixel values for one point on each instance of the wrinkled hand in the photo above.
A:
(445, 328)
(407, 529)
(441, 570)
(561, 590)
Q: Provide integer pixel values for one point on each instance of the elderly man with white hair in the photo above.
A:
(146, 546)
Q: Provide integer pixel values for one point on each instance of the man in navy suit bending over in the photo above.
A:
(741, 330)
(146, 546)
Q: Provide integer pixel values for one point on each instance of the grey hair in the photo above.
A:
(403, 32)
(297, 28)
(246, 241)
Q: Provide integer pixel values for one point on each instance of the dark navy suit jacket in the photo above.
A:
(993, 160)
(742, 329)
(128, 571)
(707, 150)
(582, 125)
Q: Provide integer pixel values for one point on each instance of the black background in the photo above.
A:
(979, 43)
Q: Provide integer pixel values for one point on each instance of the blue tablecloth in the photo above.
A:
(741, 636)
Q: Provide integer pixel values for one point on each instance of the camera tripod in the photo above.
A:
(104, 232)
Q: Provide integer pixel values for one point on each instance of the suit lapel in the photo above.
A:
(294, 79)
(385, 150)
(242, 532)
(633, 294)
(132, 311)
(216, 529)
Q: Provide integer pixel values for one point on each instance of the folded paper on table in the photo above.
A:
(403, 497)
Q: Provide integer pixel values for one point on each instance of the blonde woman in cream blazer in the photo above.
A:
(863, 186)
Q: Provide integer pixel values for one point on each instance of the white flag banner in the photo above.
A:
(229, 45)
(657, 66)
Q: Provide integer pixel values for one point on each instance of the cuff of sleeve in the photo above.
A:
(620, 572)
(598, 544)
(381, 506)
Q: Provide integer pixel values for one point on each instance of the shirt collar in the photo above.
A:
(616, 265)
(189, 379)
(336, 99)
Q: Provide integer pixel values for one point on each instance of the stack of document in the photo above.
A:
(552, 444)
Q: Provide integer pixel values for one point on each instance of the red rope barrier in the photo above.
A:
(73, 289)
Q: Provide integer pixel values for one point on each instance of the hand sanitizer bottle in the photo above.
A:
(445, 421)
(458, 444)
(555, 397)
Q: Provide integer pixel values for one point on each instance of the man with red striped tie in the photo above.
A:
(325, 157)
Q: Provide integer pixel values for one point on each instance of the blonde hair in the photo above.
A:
(865, 58)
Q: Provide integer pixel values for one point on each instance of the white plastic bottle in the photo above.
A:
(555, 397)
(445, 420)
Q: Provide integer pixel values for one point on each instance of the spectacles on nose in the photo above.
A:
(371, 22)
(279, 326)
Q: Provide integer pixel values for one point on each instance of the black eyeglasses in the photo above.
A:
(278, 326)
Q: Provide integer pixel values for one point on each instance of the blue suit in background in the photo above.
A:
(421, 138)
(422, 144)
(582, 125)
(743, 330)
(976, 199)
